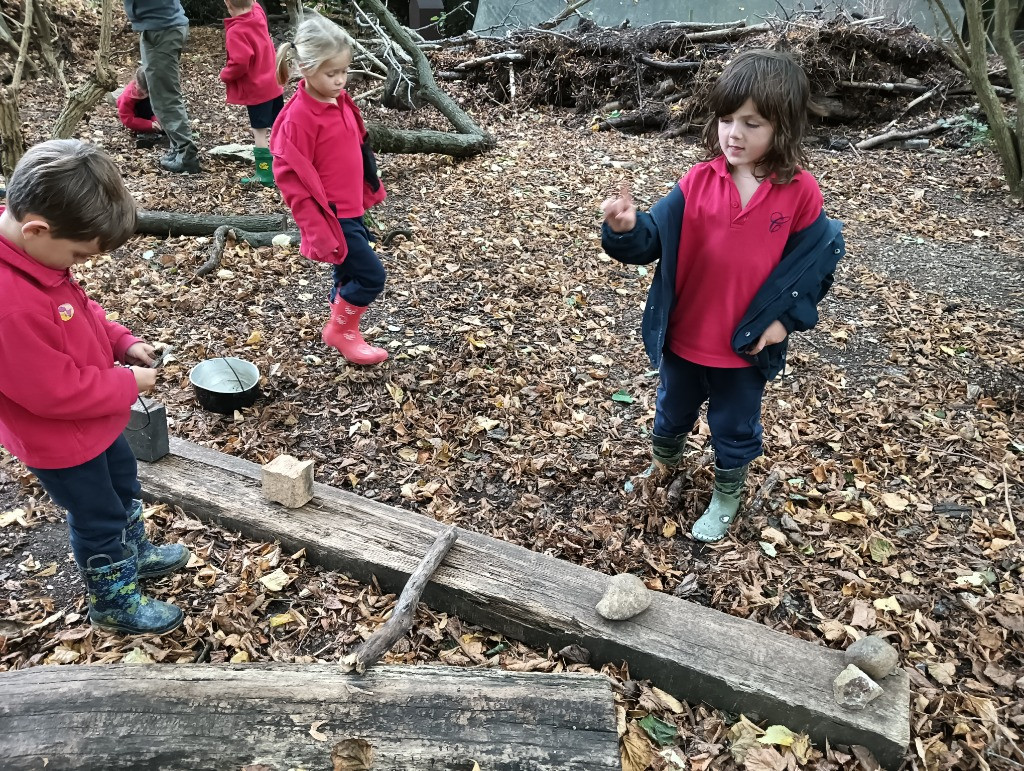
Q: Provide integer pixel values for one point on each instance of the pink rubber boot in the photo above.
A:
(342, 332)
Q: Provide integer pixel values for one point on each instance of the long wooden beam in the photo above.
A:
(694, 652)
(283, 716)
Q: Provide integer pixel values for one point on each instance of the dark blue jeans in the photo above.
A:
(97, 495)
(360, 279)
(734, 407)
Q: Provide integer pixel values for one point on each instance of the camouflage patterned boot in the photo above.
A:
(153, 560)
(117, 604)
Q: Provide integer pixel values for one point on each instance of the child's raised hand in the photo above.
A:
(145, 378)
(141, 354)
(620, 211)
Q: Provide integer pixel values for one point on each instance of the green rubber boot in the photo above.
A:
(667, 451)
(725, 504)
(264, 168)
(666, 455)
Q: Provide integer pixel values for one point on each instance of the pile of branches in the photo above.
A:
(656, 78)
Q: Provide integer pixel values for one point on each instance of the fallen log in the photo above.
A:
(280, 716)
(169, 223)
(693, 652)
(404, 612)
(893, 136)
(649, 120)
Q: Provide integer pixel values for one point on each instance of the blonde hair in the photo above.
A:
(316, 40)
(77, 189)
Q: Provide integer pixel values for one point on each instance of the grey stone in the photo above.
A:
(855, 690)
(873, 656)
(233, 152)
(147, 430)
(625, 597)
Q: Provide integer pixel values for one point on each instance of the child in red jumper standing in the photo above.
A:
(251, 78)
(64, 402)
(745, 255)
(328, 177)
(136, 112)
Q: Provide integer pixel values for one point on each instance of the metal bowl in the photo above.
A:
(225, 384)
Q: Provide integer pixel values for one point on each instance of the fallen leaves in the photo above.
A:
(352, 755)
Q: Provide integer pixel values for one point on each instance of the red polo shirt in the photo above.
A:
(726, 253)
(335, 149)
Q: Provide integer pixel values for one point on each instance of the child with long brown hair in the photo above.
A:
(745, 254)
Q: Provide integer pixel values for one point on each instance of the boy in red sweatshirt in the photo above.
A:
(251, 78)
(64, 401)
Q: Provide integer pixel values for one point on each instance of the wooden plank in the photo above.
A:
(209, 718)
(694, 652)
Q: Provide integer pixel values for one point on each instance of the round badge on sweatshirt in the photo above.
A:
(66, 311)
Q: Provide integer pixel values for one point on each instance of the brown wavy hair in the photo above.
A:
(77, 188)
(779, 89)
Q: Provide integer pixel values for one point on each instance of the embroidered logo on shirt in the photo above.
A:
(778, 219)
(66, 311)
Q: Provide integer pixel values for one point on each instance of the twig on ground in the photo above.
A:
(404, 612)
(1009, 509)
(769, 484)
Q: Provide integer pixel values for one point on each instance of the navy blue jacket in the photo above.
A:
(790, 294)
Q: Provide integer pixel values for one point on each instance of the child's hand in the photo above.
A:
(620, 211)
(145, 378)
(141, 354)
(775, 333)
(156, 125)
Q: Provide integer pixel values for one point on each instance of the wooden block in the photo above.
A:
(288, 481)
(693, 652)
(191, 717)
(147, 430)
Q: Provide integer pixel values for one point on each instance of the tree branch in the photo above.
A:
(26, 35)
(404, 612)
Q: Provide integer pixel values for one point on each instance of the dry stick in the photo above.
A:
(26, 35)
(764, 491)
(676, 66)
(220, 236)
(504, 56)
(889, 136)
(924, 97)
(1009, 511)
(404, 612)
(565, 14)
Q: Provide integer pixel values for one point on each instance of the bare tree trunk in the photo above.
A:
(470, 139)
(1002, 38)
(12, 142)
(89, 94)
(972, 58)
(44, 39)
